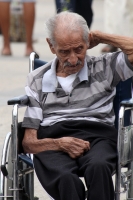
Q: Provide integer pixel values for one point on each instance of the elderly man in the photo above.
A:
(70, 120)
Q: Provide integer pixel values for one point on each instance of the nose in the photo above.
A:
(73, 59)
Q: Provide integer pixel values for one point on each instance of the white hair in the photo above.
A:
(71, 21)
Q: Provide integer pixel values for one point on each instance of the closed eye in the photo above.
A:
(79, 49)
(64, 52)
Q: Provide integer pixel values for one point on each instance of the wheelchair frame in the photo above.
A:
(26, 169)
(125, 155)
(123, 179)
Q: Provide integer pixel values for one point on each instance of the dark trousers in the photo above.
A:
(59, 174)
(82, 7)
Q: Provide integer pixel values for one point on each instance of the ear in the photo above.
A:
(89, 39)
(50, 45)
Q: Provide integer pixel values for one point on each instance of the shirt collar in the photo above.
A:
(83, 73)
(49, 81)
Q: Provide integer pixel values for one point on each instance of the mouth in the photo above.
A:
(70, 66)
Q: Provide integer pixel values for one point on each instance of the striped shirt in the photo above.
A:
(91, 96)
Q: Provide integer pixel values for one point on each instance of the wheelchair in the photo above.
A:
(17, 169)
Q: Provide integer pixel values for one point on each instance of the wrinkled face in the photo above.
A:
(70, 49)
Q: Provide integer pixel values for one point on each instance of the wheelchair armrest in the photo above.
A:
(127, 103)
(21, 100)
(26, 159)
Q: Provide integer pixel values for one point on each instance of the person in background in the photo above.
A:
(29, 17)
(83, 8)
(118, 19)
(62, 5)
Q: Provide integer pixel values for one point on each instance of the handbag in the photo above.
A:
(17, 27)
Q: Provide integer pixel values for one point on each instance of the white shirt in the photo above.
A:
(66, 82)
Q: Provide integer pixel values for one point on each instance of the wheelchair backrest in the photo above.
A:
(123, 92)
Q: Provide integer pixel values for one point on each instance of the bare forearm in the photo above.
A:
(122, 42)
(33, 145)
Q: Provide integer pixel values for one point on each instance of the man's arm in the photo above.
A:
(73, 146)
(122, 42)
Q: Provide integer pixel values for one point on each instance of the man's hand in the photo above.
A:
(93, 39)
(73, 146)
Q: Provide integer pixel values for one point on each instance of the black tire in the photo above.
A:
(6, 161)
(9, 166)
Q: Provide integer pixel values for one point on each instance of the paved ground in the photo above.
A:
(14, 69)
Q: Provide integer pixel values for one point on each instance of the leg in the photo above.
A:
(5, 25)
(97, 166)
(57, 173)
(29, 17)
(84, 8)
(58, 6)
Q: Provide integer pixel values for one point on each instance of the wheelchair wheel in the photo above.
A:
(9, 166)
(6, 163)
(25, 181)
